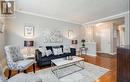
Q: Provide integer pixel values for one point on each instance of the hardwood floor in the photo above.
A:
(103, 60)
(106, 61)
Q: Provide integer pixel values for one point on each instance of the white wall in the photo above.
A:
(2, 42)
(121, 34)
(87, 33)
(104, 37)
(15, 29)
(127, 28)
(126, 15)
(103, 34)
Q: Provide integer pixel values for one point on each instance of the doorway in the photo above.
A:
(109, 34)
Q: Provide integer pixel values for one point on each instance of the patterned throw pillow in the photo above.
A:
(48, 52)
(57, 51)
(66, 49)
(43, 51)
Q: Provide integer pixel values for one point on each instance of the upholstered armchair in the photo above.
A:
(21, 77)
(16, 61)
(2, 79)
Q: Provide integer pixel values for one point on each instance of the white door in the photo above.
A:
(106, 40)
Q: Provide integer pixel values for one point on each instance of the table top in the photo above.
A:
(63, 61)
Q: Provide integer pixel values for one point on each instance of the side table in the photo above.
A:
(83, 50)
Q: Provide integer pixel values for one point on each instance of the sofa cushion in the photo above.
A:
(57, 51)
(43, 51)
(61, 55)
(45, 59)
(50, 47)
(48, 52)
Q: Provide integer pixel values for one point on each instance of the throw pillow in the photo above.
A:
(48, 52)
(66, 50)
(43, 51)
(57, 51)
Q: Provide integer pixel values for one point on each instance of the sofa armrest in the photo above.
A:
(38, 55)
(73, 51)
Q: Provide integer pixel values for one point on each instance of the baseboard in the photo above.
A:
(112, 53)
(92, 55)
(98, 51)
(106, 53)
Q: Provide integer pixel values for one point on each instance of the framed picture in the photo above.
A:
(29, 31)
(7, 7)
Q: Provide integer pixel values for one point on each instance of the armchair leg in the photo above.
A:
(18, 71)
(9, 74)
(34, 67)
(25, 71)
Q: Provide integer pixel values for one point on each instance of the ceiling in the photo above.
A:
(76, 11)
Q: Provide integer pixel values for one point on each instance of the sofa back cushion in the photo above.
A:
(43, 51)
(48, 52)
(50, 47)
(57, 51)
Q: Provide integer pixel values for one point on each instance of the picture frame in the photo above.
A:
(7, 7)
(29, 31)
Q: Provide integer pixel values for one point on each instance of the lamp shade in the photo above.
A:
(28, 43)
(74, 42)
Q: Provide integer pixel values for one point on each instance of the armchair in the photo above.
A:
(16, 61)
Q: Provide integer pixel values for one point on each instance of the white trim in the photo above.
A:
(108, 18)
(91, 22)
(40, 15)
(107, 53)
(98, 51)
(91, 55)
(112, 53)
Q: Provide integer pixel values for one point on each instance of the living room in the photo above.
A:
(61, 40)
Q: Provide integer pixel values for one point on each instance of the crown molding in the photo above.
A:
(40, 15)
(108, 18)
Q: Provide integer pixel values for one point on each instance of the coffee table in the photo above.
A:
(62, 63)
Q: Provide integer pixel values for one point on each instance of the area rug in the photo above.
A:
(89, 74)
